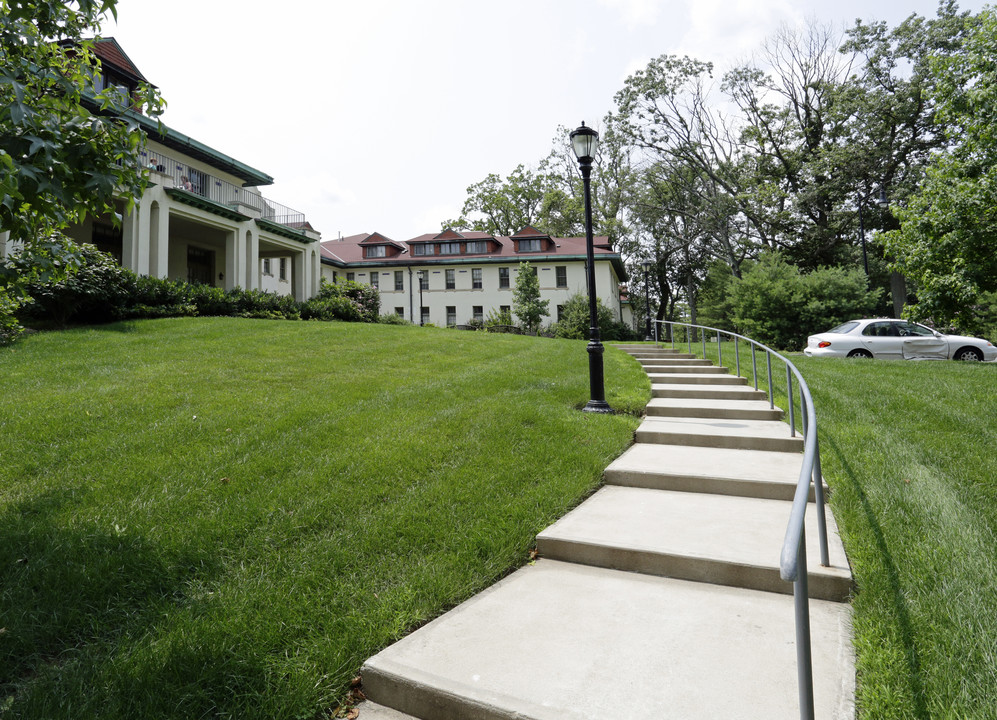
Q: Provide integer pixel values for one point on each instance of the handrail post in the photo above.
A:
(818, 480)
(789, 394)
(804, 660)
(720, 350)
(754, 366)
(768, 360)
(703, 336)
(737, 358)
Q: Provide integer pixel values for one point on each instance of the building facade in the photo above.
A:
(458, 278)
(202, 217)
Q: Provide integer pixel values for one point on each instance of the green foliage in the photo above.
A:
(498, 317)
(358, 302)
(575, 319)
(779, 306)
(97, 290)
(67, 150)
(526, 302)
(946, 239)
(10, 327)
(393, 319)
(713, 301)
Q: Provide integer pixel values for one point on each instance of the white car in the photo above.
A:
(898, 339)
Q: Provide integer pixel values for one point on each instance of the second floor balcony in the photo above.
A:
(183, 176)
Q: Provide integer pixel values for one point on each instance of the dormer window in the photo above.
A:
(530, 245)
(477, 247)
(450, 248)
(422, 249)
(376, 251)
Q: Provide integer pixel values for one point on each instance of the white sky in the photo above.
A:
(376, 115)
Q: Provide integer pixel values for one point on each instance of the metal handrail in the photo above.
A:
(794, 548)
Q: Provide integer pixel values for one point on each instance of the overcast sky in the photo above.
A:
(376, 115)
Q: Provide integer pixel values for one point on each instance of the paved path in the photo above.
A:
(658, 597)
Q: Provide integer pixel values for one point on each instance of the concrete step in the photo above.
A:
(706, 391)
(686, 369)
(559, 641)
(671, 360)
(720, 539)
(702, 408)
(664, 355)
(748, 473)
(372, 711)
(720, 433)
(687, 377)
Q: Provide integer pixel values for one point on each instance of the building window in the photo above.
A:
(450, 248)
(451, 278)
(422, 249)
(560, 312)
(425, 315)
(399, 281)
(350, 277)
(266, 267)
(477, 247)
(504, 278)
(377, 251)
(375, 279)
(476, 278)
(505, 310)
(562, 275)
(283, 269)
(529, 245)
(423, 280)
(400, 311)
(451, 315)
(477, 313)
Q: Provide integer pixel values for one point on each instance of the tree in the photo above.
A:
(526, 302)
(66, 149)
(504, 207)
(948, 231)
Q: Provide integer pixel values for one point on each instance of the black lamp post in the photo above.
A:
(647, 297)
(421, 274)
(584, 141)
(884, 203)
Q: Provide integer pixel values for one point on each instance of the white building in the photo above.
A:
(202, 218)
(468, 275)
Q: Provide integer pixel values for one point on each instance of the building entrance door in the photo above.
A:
(200, 265)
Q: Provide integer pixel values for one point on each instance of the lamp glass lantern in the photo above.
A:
(584, 142)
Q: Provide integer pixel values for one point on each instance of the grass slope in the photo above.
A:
(908, 451)
(224, 518)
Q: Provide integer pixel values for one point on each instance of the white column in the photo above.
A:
(232, 258)
(252, 260)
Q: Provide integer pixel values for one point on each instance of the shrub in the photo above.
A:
(779, 306)
(365, 299)
(498, 317)
(10, 328)
(574, 322)
(330, 308)
(393, 319)
(264, 305)
(95, 291)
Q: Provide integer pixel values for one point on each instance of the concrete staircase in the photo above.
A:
(658, 597)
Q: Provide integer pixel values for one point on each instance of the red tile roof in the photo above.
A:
(348, 249)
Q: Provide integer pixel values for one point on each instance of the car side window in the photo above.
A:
(875, 329)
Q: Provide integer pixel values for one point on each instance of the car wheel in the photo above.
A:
(860, 354)
(968, 354)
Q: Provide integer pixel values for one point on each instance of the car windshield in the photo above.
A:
(844, 327)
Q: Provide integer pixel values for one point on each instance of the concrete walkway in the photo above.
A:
(658, 597)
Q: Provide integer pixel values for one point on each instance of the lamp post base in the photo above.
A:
(597, 406)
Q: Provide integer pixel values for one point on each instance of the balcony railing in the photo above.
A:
(220, 191)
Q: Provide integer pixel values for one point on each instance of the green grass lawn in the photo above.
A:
(224, 517)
